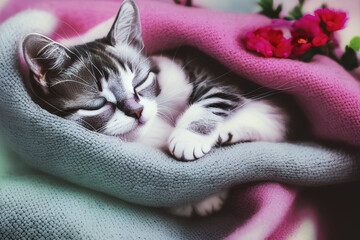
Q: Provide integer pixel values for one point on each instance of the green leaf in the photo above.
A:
(349, 59)
(355, 43)
(297, 12)
(268, 10)
(266, 4)
(278, 11)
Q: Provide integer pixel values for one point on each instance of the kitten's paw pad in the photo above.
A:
(202, 208)
(186, 145)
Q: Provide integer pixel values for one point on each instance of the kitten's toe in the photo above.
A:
(211, 204)
(186, 145)
(225, 137)
(202, 208)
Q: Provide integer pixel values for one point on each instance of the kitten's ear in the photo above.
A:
(43, 56)
(126, 28)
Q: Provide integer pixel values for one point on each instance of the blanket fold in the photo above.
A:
(322, 88)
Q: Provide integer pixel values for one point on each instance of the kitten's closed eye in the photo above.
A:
(148, 81)
(95, 104)
(94, 112)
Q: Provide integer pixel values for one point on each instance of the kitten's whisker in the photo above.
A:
(99, 130)
(164, 101)
(279, 88)
(186, 64)
(101, 73)
(69, 80)
(94, 78)
(177, 49)
(222, 75)
(260, 97)
(73, 29)
(83, 80)
(166, 117)
(275, 91)
(265, 95)
(139, 52)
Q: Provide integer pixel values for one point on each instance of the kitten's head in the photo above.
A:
(107, 85)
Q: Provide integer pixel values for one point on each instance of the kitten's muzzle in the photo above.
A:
(131, 108)
(136, 113)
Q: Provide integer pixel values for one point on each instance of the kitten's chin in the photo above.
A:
(135, 134)
(130, 129)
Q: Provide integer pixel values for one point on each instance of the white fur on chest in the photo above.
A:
(172, 101)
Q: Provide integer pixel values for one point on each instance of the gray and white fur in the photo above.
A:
(181, 101)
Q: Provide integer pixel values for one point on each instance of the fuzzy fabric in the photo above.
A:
(37, 205)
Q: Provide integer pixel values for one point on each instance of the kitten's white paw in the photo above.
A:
(186, 145)
(202, 208)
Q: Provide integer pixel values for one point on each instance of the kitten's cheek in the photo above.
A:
(149, 112)
(147, 116)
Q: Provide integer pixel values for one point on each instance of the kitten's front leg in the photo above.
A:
(254, 121)
(194, 136)
(195, 133)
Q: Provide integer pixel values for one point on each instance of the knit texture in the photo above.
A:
(39, 205)
(35, 206)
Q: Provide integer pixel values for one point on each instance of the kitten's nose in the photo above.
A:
(132, 108)
(136, 113)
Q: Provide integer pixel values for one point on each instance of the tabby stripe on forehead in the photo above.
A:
(221, 95)
(127, 79)
(109, 60)
(113, 63)
(110, 97)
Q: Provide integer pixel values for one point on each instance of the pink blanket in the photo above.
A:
(328, 94)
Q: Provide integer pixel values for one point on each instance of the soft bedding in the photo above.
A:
(34, 204)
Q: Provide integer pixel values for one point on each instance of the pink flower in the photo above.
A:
(308, 27)
(333, 20)
(269, 42)
(300, 44)
(283, 49)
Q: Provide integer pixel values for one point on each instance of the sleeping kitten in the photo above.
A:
(182, 102)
